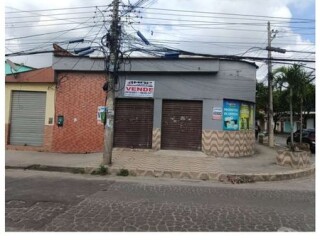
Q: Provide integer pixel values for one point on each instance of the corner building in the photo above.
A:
(198, 104)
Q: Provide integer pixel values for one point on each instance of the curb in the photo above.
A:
(264, 177)
(38, 167)
(222, 177)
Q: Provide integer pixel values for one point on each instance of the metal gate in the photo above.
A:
(181, 125)
(133, 123)
(27, 118)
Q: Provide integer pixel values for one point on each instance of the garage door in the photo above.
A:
(181, 125)
(133, 123)
(27, 118)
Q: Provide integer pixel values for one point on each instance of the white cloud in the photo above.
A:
(210, 38)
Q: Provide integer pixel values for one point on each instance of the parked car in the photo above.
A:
(308, 136)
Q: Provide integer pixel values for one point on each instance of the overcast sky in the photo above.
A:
(206, 26)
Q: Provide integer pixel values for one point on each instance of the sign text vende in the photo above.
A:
(134, 88)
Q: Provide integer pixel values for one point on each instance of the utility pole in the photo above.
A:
(270, 112)
(109, 127)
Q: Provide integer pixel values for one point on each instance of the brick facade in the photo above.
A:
(78, 96)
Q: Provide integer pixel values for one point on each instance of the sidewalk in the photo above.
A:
(173, 164)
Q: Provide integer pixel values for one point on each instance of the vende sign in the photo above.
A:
(134, 88)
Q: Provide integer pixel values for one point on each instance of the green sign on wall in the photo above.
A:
(237, 115)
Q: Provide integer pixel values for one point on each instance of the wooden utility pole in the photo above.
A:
(114, 43)
(270, 112)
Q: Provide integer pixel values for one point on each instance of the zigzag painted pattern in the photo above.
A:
(156, 139)
(294, 159)
(228, 144)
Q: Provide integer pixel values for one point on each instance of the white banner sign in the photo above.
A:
(135, 88)
(217, 113)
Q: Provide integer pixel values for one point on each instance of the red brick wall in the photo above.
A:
(78, 96)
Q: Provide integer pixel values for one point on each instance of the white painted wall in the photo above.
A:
(310, 123)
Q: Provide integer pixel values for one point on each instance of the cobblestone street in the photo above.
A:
(37, 201)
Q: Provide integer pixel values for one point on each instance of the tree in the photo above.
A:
(295, 80)
(280, 105)
(309, 101)
(261, 101)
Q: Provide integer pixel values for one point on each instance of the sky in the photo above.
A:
(294, 34)
(226, 27)
(307, 12)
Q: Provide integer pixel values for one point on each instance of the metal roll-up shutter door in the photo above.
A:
(181, 125)
(27, 118)
(133, 123)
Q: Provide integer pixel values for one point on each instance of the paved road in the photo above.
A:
(43, 201)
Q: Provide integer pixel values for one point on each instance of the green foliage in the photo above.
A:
(261, 97)
(123, 172)
(296, 78)
(102, 170)
(310, 97)
(284, 78)
(296, 83)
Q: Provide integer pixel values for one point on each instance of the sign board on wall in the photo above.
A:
(217, 113)
(244, 116)
(231, 115)
(135, 88)
(251, 121)
(237, 115)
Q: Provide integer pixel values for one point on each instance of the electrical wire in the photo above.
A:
(48, 20)
(50, 15)
(157, 9)
(220, 22)
(148, 12)
(42, 34)
(53, 9)
(228, 14)
(157, 49)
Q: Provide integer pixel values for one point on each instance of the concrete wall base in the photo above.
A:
(297, 159)
(228, 143)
